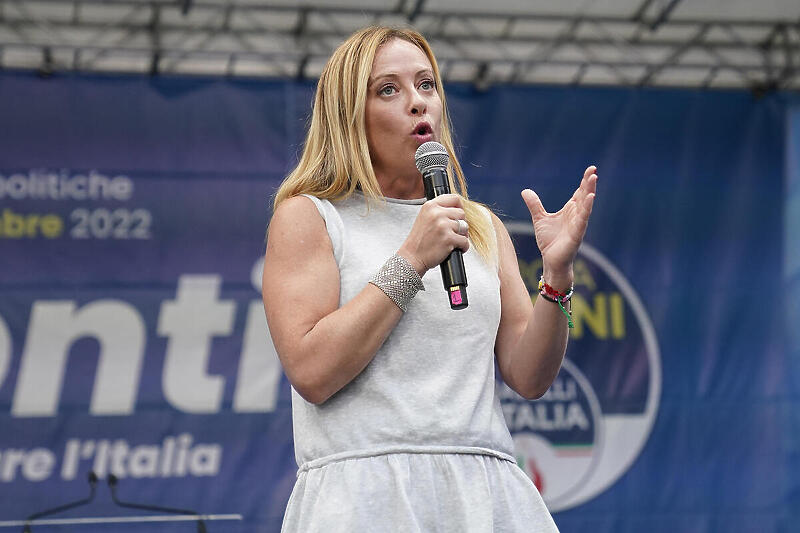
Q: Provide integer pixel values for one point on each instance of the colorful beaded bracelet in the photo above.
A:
(549, 293)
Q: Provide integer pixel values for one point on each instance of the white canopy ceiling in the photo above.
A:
(753, 44)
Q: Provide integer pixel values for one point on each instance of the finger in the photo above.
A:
(591, 184)
(588, 185)
(583, 188)
(455, 213)
(448, 200)
(588, 203)
(588, 173)
(461, 242)
(580, 221)
(534, 203)
(461, 227)
(591, 169)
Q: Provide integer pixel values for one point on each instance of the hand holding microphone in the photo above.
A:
(435, 233)
(432, 160)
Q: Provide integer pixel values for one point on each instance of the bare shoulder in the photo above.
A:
(297, 224)
(298, 246)
(505, 247)
(499, 227)
(299, 255)
(296, 213)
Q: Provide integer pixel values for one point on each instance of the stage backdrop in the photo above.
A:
(133, 340)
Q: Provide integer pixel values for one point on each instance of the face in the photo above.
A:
(403, 109)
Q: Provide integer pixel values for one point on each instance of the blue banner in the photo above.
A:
(133, 339)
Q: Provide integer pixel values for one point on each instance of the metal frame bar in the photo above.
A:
(434, 34)
(53, 36)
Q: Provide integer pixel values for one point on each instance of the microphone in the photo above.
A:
(112, 485)
(85, 501)
(432, 160)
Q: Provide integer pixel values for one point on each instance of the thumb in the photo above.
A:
(534, 204)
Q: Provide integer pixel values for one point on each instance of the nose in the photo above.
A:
(418, 105)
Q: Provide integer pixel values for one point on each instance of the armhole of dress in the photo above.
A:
(333, 224)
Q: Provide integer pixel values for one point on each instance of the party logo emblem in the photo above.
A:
(588, 429)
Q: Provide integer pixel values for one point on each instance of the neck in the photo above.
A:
(408, 187)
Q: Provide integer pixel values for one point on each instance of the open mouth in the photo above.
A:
(423, 132)
(423, 128)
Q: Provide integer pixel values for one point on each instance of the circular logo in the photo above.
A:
(588, 429)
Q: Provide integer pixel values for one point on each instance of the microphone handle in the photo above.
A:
(454, 276)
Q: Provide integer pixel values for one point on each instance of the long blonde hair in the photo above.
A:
(336, 161)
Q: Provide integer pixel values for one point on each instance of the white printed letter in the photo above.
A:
(260, 373)
(190, 321)
(53, 328)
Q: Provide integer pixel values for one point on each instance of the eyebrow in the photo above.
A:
(372, 81)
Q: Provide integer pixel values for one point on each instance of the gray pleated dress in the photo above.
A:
(416, 442)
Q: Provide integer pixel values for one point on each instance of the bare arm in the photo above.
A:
(322, 347)
(532, 338)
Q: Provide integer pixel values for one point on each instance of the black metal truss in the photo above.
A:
(650, 47)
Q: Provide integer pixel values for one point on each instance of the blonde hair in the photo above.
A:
(336, 161)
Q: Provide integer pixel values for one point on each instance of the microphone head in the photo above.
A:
(431, 155)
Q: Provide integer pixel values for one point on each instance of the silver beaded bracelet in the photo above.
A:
(399, 280)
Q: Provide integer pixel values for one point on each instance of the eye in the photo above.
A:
(427, 85)
(387, 90)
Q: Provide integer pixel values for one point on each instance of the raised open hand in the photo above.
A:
(559, 234)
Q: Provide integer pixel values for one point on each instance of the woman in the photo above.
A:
(397, 425)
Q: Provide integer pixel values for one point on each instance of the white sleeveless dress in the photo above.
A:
(416, 442)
